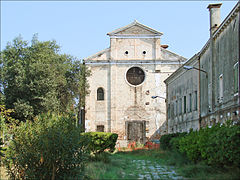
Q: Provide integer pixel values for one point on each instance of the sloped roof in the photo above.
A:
(173, 55)
(135, 23)
(98, 53)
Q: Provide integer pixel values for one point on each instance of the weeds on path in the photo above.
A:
(131, 165)
(154, 164)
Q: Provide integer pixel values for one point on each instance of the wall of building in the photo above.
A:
(135, 48)
(218, 100)
(128, 103)
(126, 106)
(220, 60)
(182, 99)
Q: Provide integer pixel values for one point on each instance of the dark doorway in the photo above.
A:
(136, 131)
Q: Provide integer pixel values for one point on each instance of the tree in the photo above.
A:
(80, 87)
(1, 84)
(36, 78)
(5, 121)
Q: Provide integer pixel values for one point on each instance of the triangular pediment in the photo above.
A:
(135, 28)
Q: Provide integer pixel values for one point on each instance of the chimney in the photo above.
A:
(215, 19)
(164, 46)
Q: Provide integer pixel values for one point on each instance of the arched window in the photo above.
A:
(100, 94)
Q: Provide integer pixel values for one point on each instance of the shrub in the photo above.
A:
(1, 150)
(165, 140)
(219, 145)
(51, 147)
(5, 122)
(100, 141)
(189, 145)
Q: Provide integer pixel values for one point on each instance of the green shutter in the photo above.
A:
(185, 104)
(236, 77)
(196, 101)
(190, 102)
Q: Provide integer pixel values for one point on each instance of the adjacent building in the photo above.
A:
(205, 90)
(127, 92)
(183, 98)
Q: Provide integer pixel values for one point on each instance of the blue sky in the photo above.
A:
(80, 27)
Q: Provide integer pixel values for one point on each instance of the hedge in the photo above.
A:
(218, 145)
(165, 140)
(100, 141)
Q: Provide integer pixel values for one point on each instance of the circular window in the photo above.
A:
(126, 52)
(144, 52)
(135, 76)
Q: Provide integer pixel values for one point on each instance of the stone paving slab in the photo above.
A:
(152, 170)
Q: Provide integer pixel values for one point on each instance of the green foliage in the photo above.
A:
(121, 166)
(77, 80)
(103, 157)
(166, 139)
(51, 147)
(100, 141)
(36, 78)
(190, 146)
(5, 120)
(1, 149)
(219, 145)
(78, 84)
(5, 123)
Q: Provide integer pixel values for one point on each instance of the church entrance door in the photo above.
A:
(136, 131)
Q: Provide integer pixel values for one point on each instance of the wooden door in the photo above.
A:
(136, 131)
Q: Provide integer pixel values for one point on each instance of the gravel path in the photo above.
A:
(149, 170)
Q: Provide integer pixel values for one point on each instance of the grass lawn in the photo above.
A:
(142, 164)
(154, 164)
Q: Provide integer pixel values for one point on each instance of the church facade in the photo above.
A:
(127, 90)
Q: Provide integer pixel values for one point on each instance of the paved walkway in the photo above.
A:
(148, 170)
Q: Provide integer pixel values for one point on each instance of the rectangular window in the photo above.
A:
(100, 128)
(190, 103)
(195, 100)
(169, 111)
(180, 106)
(176, 108)
(221, 88)
(209, 95)
(172, 110)
(236, 77)
(185, 104)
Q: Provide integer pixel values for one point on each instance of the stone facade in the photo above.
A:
(218, 71)
(124, 78)
(183, 98)
(220, 58)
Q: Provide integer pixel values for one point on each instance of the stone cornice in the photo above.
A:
(227, 20)
(133, 36)
(124, 62)
(133, 24)
(180, 70)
